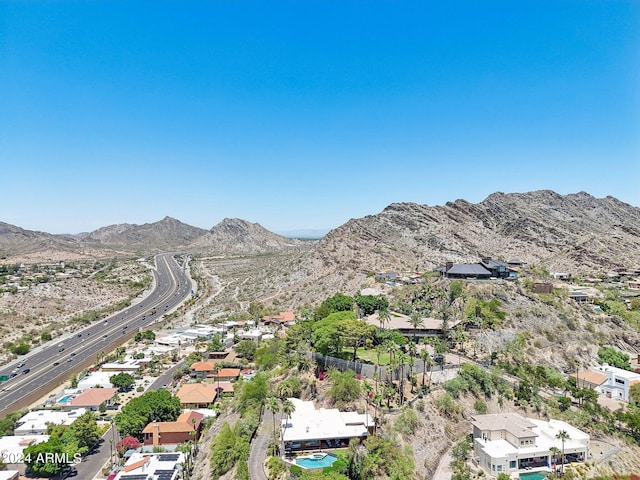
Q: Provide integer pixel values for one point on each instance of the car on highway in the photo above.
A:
(55, 364)
(69, 359)
(13, 374)
(73, 354)
(25, 371)
(20, 365)
(61, 349)
(79, 335)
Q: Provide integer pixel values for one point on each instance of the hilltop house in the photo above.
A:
(485, 269)
(308, 428)
(197, 395)
(431, 327)
(508, 442)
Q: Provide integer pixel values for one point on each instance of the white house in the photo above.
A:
(508, 442)
(165, 466)
(96, 379)
(308, 428)
(12, 447)
(36, 422)
(618, 382)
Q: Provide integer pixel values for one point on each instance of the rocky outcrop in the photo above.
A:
(575, 232)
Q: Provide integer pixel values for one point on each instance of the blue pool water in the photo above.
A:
(318, 460)
(65, 399)
(534, 476)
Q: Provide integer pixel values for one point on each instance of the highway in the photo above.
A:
(53, 363)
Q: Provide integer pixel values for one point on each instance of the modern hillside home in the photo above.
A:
(509, 443)
(309, 428)
(483, 270)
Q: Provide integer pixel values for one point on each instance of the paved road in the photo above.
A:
(92, 464)
(53, 364)
(259, 445)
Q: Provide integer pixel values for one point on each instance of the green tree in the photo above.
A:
(368, 304)
(563, 436)
(614, 357)
(20, 349)
(38, 458)
(416, 320)
(287, 408)
(122, 381)
(246, 349)
(85, 430)
(634, 393)
(273, 405)
(153, 406)
(344, 386)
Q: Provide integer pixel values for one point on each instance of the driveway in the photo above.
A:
(259, 445)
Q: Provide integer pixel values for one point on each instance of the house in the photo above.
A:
(589, 379)
(389, 275)
(229, 357)
(202, 369)
(12, 448)
(561, 275)
(37, 421)
(283, 318)
(226, 375)
(509, 442)
(578, 296)
(9, 475)
(95, 379)
(185, 428)
(254, 335)
(466, 271)
(618, 382)
(431, 327)
(143, 466)
(308, 428)
(93, 398)
(498, 268)
(197, 395)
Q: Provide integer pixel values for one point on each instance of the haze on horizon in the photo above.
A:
(301, 115)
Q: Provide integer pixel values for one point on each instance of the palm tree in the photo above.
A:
(425, 356)
(556, 454)
(416, 321)
(273, 404)
(383, 316)
(287, 409)
(563, 436)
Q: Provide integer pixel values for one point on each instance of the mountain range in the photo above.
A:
(575, 232)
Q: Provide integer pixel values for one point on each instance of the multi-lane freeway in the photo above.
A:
(52, 364)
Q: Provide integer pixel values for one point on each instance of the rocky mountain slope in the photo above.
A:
(575, 232)
(166, 234)
(236, 236)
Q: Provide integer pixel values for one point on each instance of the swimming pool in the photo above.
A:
(316, 460)
(65, 399)
(534, 476)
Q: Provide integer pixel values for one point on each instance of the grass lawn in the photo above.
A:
(371, 356)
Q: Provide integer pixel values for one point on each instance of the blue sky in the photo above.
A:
(304, 114)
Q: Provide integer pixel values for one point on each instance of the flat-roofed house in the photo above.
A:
(309, 428)
(618, 382)
(508, 442)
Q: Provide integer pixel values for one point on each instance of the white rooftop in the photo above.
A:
(307, 423)
(618, 372)
(37, 420)
(11, 447)
(155, 461)
(96, 378)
